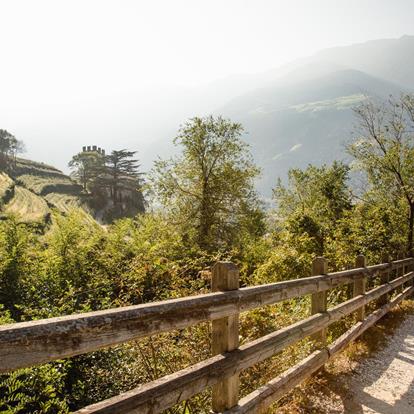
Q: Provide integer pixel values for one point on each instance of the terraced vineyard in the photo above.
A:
(63, 202)
(6, 188)
(44, 179)
(43, 185)
(28, 207)
(24, 166)
(36, 188)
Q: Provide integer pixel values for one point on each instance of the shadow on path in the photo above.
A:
(384, 382)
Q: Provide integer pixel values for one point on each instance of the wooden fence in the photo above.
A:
(30, 343)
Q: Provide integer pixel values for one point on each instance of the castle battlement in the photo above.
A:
(93, 148)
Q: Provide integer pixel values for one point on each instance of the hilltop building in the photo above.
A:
(93, 148)
(129, 198)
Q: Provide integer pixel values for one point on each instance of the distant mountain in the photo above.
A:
(294, 123)
(390, 59)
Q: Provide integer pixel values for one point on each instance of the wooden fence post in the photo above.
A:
(360, 285)
(319, 301)
(385, 278)
(399, 272)
(225, 336)
(410, 269)
(403, 272)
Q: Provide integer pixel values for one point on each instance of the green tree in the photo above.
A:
(9, 148)
(313, 202)
(114, 177)
(385, 152)
(85, 167)
(16, 245)
(208, 189)
(121, 172)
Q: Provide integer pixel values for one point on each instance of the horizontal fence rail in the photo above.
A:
(278, 387)
(169, 390)
(30, 343)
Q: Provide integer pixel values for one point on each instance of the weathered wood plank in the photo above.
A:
(225, 337)
(385, 277)
(360, 286)
(161, 394)
(275, 389)
(261, 398)
(319, 300)
(29, 343)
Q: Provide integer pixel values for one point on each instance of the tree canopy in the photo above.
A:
(10, 146)
(385, 151)
(314, 200)
(85, 167)
(208, 188)
(113, 182)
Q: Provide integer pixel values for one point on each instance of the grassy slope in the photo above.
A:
(35, 188)
(44, 179)
(28, 207)
(6, 188)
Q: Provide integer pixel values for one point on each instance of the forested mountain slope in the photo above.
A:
(291, 124)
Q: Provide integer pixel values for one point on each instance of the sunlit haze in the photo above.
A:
(101, 71)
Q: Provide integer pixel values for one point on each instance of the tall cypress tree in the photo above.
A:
(120, 175)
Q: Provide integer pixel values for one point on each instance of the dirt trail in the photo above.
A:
(385, 383)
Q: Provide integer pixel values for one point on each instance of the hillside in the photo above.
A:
(291, 124)
(391, 59)
(35, 189)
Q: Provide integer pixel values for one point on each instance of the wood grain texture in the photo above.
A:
(29, 343)
(260, 399)
(225, 337)
(360, 286)
(319, 300)
(161, 394)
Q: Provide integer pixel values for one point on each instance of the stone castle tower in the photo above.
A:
(93, 148)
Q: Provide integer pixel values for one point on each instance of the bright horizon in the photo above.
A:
(63, 59)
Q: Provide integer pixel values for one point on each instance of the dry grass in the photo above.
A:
(46, 184)
(54, 188)
(6, 186)
(30, 166)
(27, 206)
(43, 179)
(63, 202)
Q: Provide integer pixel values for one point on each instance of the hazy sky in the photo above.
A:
(70, 52)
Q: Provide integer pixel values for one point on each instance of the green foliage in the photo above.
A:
(85, 167)
(9, 148)
(113, 182)
(208, 189)
(34, 390)
(79, 267)
(16, 244)
(313, 202)
(372, 228)
(385, 152)
(210, 212)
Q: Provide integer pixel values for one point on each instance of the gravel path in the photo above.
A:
(385, 383)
